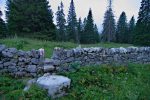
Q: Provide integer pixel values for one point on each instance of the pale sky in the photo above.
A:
(131, 7)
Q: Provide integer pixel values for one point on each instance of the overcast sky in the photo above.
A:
(131, 7)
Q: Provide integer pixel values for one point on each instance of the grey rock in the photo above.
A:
(29, 53)
(35, 53)
(33, 74)
(70, 53)
(2, 47)
(21, 64)
(1, 62)
(7, 54)
(12, 69)
(21, 53)
(1, 66)
(34, 61)
(52, 62)
(6, 64)
(47, 61)
(14, 60)
(20, 74)
(48, 68)
(12, 50)
(56, 85)
(32, 68)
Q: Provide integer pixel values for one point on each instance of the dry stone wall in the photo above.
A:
(20, 63)
(97, 56)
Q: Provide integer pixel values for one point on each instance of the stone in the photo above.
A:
(47, 61)
(2, 47)
(29, 53)
(7, 54)
(52, 62)
(12, 50)
(1, 66)
(34, 61)
(55, 84)
(48, 68)
(12, 69)
(32, 68)
(123, 50)
(1, 62)
(21, 53)
(6, 64)
(20, 74)
(70, 53)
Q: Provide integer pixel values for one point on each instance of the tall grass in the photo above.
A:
(103, 82)
(28, 44)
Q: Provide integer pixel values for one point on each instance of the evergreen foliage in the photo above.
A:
(109, 29)
(3, 29)
(30, 18)
(122, 29)
(142, 36)
(61, 28)
(131, 30)
(80, 28)
(72, 23)
(97, 36)
(89, 35)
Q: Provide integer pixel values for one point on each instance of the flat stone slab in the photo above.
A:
(56, 85)
(48, 68)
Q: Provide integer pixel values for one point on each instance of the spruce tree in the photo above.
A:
(30, 18)
(122, 29)
(109, 29)
(72, 23)
(131, 30)
(84, 22)
(97, 36)
(143, 24)
(88, 35)
(3, 29)
(80, 28)
(61, 28)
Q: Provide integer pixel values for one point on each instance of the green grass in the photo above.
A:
(12, 89)
(29, 44)
(103, 82)
(130, 82)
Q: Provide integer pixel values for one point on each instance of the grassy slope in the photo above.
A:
(130, 82)
(89, 83)
(28, 44)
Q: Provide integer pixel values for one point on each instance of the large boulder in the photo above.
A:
(56, 85)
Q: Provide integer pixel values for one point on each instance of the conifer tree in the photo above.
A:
(143, 24)
(30, 18)
(131, 30)
(80, 28)
(97, 36)
(109, 29)
(84, 22)
(122, 29)
(88, 35)
(61, 28)
(72, 23)
(3, 29)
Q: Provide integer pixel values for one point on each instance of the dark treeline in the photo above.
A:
(34, 19)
